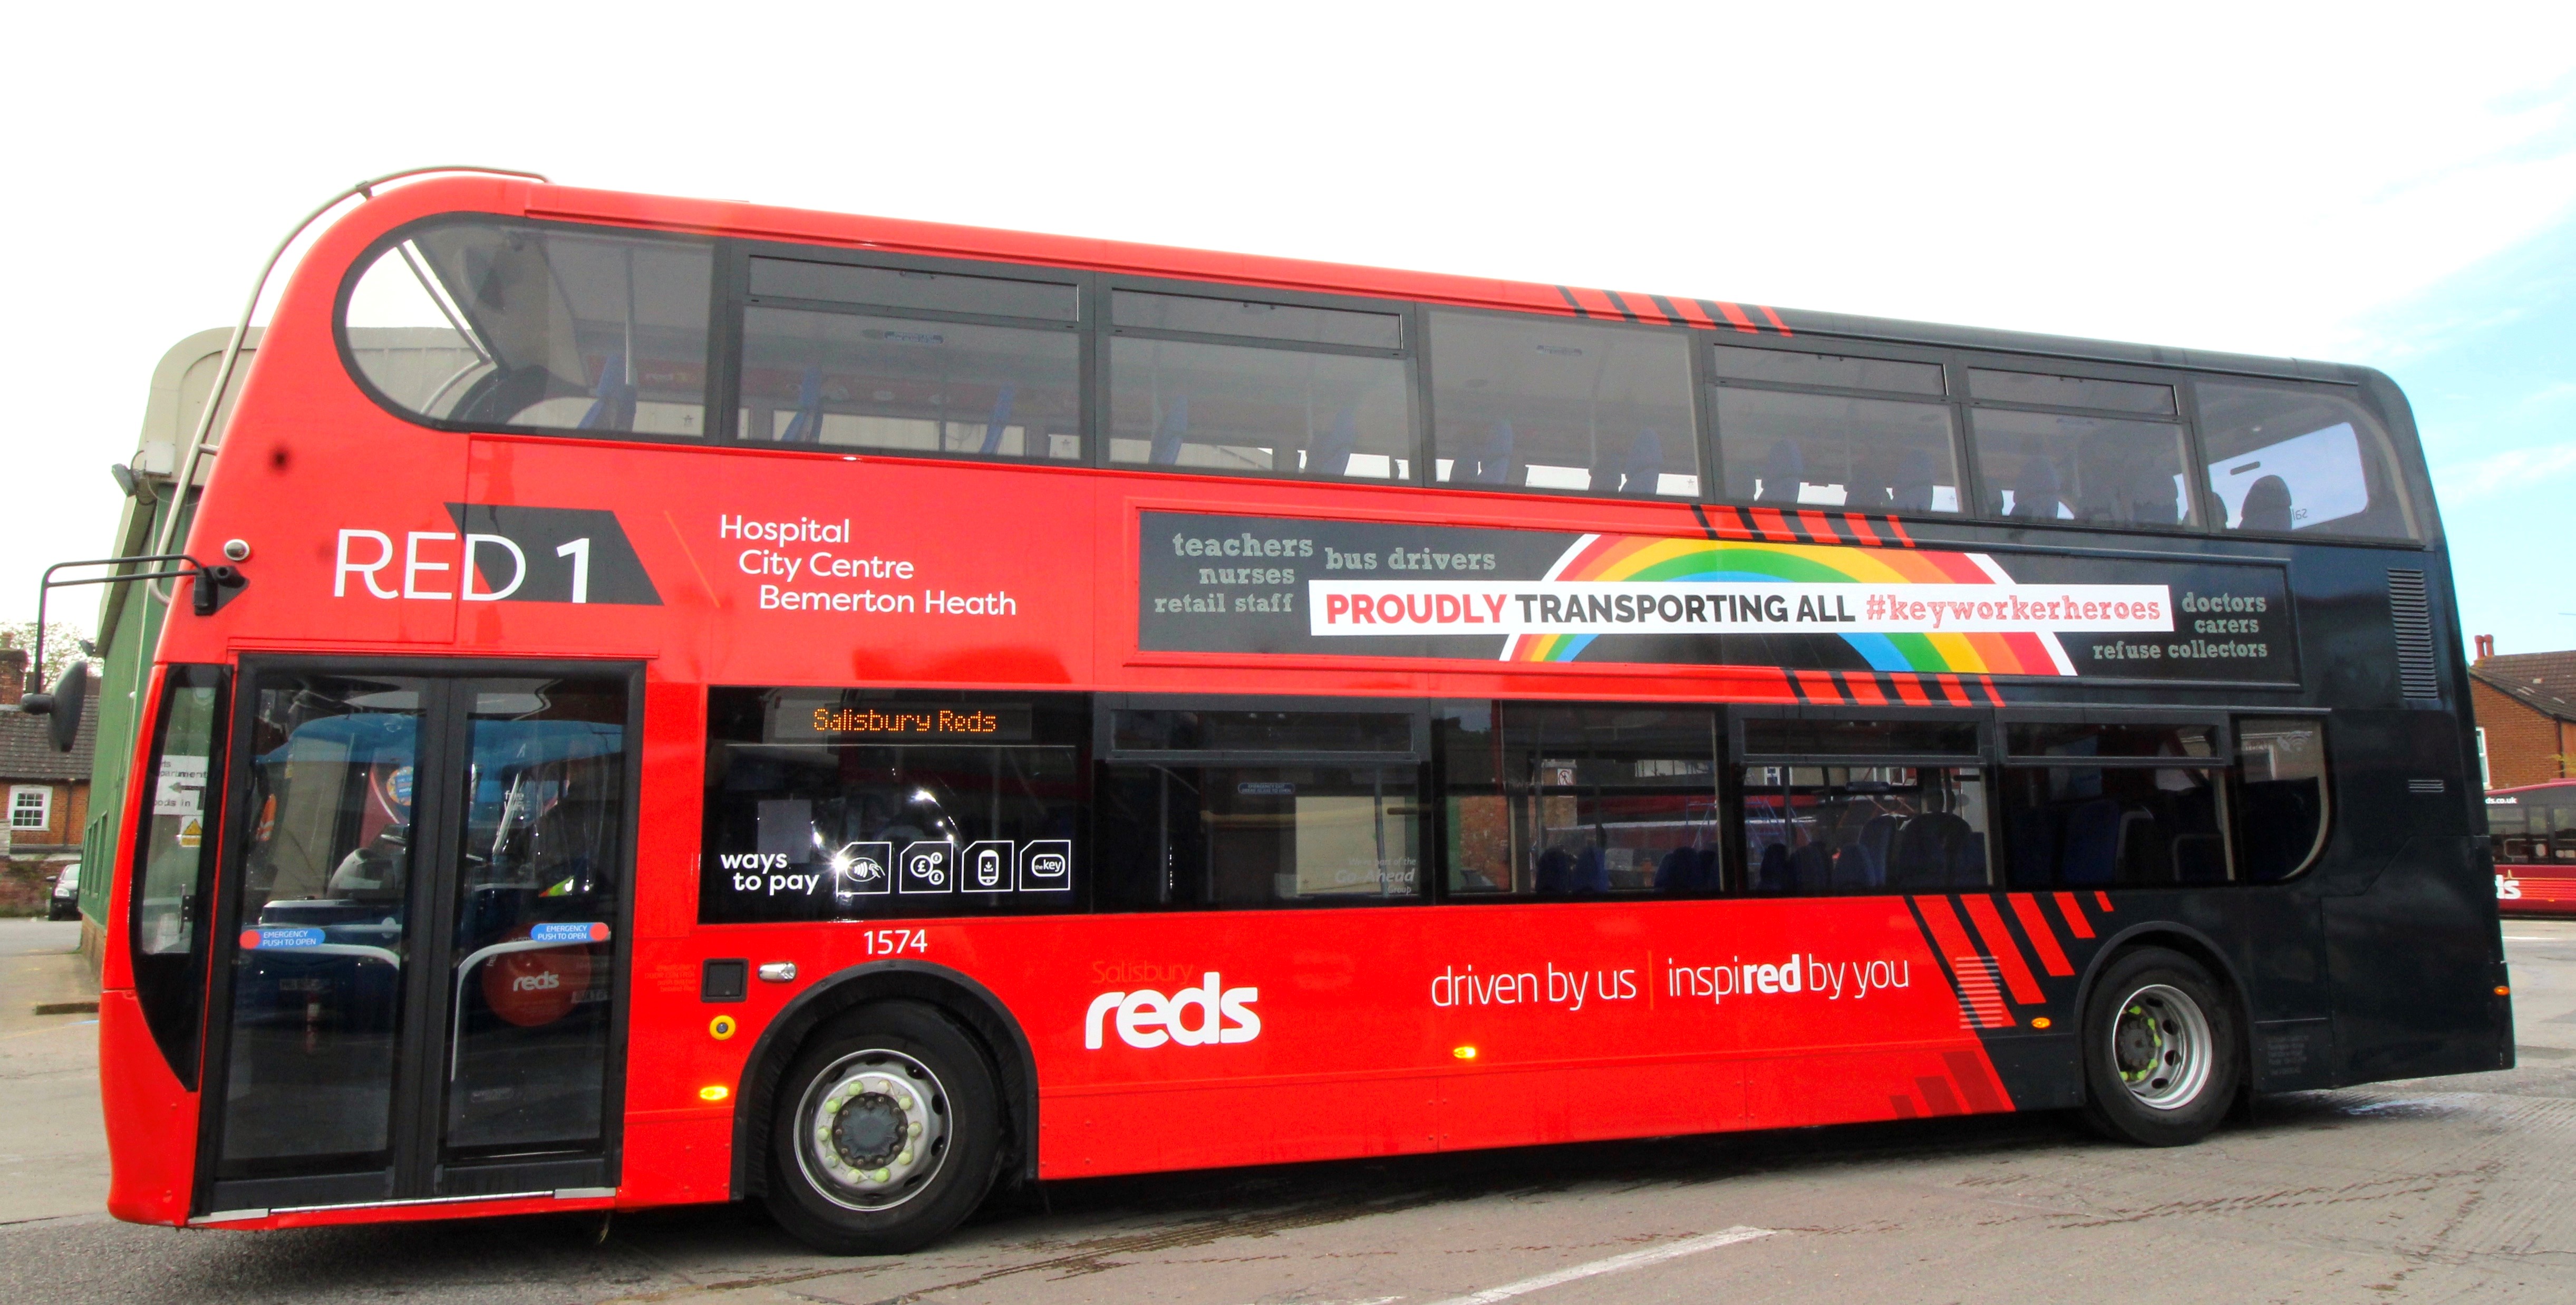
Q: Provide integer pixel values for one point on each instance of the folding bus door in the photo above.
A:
(422, 939)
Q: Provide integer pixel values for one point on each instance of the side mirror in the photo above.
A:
(64, 705)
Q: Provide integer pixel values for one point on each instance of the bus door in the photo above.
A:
(418, 975)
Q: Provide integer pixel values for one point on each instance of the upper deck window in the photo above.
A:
(1866, 454)
(525, 325)
(1541, 403)
(1208, 384)
(2047, 466)
(2287, 461)
(919, 362)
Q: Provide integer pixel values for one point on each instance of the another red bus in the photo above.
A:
(2532, 834)
(725, 702)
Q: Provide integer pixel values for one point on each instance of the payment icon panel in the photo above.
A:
(863, 870)
(1046, 866)
(986, 867)
(929, 867)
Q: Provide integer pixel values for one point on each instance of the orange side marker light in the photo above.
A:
(714, 1092)
(1463, 1053)
(2041, 1022)
(2503, 991)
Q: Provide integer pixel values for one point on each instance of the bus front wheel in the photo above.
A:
(2162, 1053)
(885, 1133)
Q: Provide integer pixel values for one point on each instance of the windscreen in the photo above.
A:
(536, 326)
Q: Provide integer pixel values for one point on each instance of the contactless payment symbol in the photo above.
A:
(929, 868)
(987, 866)
(863, 870)
(1046, 865)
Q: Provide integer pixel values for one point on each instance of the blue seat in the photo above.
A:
(806, 426)
(1927, 850)
(1773, 875)
(2092, 855)
(1784, 469)
(1913, 488)
(1000, 421)
(1555, 873)
(2038, 492)
(1332, 454)
(1811, 868)
(1591, 872)
(1645, 469)
(1168, 436)
(613, 407)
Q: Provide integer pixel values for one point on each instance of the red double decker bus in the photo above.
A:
(718, 702)
(2531, 831)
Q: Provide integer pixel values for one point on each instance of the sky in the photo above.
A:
(2379, 185)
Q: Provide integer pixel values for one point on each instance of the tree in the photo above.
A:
(64, 644)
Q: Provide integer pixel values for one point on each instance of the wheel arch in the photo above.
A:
(2177, 937)
(972, 1004)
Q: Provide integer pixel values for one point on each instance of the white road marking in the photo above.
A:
(1614, 1264)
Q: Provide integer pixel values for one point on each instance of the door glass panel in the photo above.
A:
(318, 975)
(540, 870)
(168, 981)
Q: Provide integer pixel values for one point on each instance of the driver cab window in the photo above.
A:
(536, 327)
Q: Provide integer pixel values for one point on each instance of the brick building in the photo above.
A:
(46, 792)
(2526, 709)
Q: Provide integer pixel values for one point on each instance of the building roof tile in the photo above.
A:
(27, 754)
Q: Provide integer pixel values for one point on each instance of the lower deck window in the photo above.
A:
(1864, 829)
(2114, 827)
(1551, 801)
(2281, 766)
(1178, 835)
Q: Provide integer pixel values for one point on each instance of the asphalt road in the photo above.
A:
(2431, 1190)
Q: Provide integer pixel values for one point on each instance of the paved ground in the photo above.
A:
(2434, 1190)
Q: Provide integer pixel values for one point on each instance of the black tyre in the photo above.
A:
(2163, 1054)
(886, 1132)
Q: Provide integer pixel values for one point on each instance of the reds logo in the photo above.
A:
(1146, 1018)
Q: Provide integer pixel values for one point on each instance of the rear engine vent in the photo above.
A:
(2410, 613)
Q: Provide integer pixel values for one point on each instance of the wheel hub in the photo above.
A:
(873, 1130)
(2162, 1047)
(870, 1130)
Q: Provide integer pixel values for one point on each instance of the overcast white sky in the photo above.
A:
(2394, 187)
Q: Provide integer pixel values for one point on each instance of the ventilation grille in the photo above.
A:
(2411, 614)
(2431, 786)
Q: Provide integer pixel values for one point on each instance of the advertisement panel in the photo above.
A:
(1242, 584)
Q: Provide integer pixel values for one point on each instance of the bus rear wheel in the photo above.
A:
(885, 1133)
(2162, 1053)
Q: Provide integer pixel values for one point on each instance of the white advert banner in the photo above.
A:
(1491, 607)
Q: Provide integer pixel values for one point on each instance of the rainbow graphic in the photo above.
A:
(1727, 561)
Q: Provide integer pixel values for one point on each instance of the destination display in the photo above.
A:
(1245, 584)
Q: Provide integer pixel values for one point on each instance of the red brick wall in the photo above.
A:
(2523, 746)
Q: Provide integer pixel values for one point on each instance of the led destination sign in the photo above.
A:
(839, 720)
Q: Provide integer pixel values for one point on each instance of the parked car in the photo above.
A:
(66, 903)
